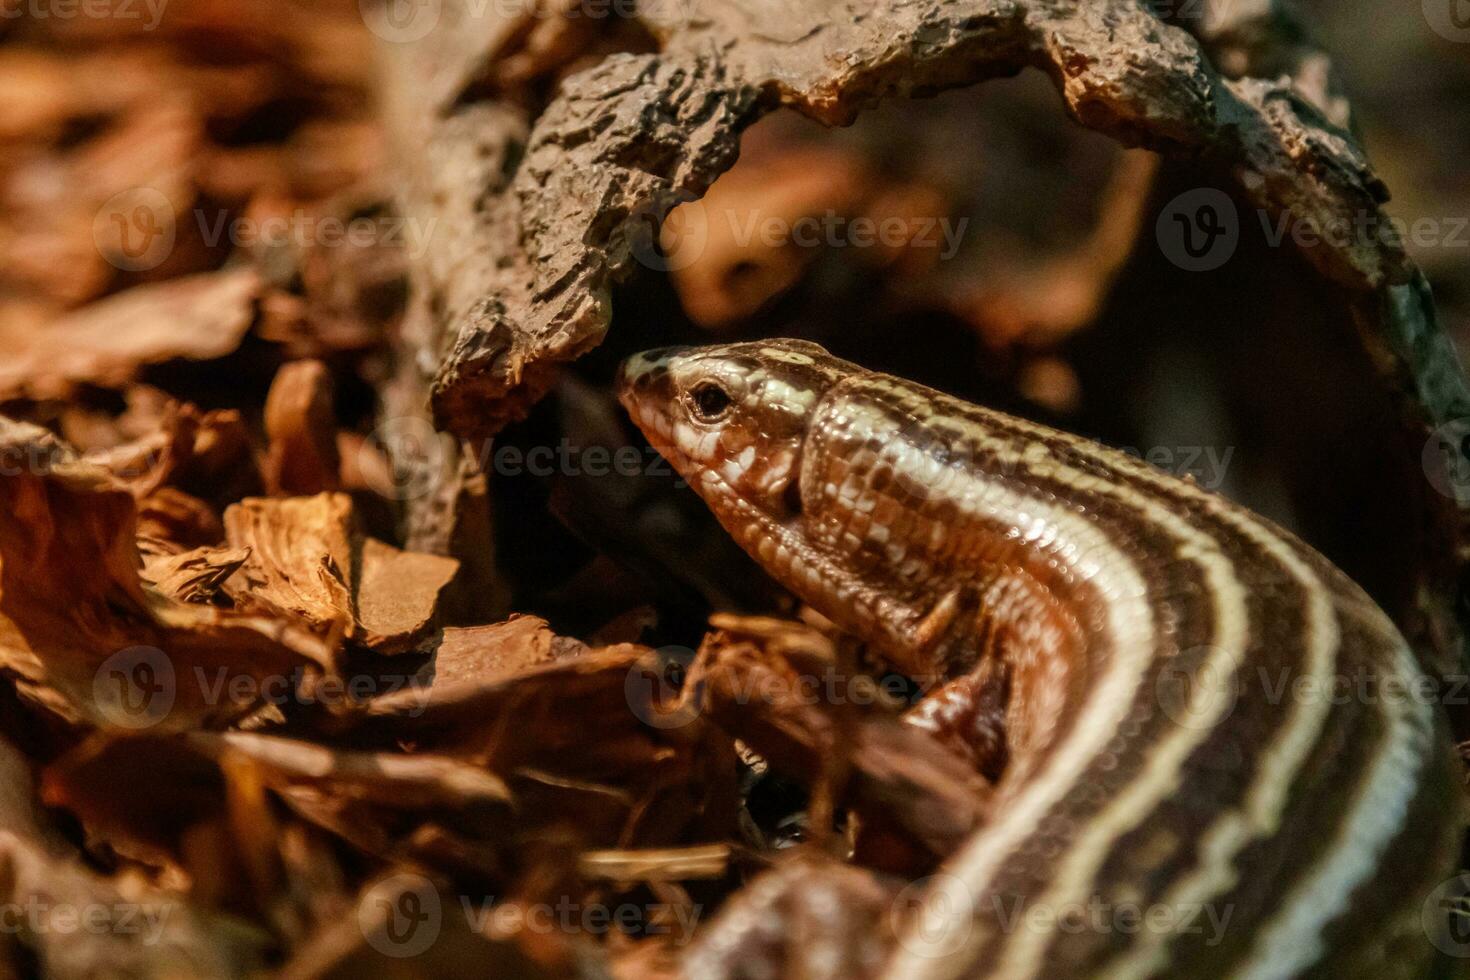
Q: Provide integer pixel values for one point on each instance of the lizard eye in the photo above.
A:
(709, 402)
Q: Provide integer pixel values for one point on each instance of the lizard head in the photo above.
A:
(732, 418)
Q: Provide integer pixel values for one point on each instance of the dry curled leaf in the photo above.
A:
(114, 652)
(192, 576)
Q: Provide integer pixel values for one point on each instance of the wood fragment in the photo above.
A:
(301, 425)
(307, 563)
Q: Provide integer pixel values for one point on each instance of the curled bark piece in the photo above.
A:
(300, 559)
(621, 142)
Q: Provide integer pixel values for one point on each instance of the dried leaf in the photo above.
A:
(755, 678)
(114, 652)
(193, 576)
(391, 779)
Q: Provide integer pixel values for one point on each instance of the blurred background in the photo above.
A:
(1407, 68)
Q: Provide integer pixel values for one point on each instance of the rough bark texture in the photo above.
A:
(539, 214)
